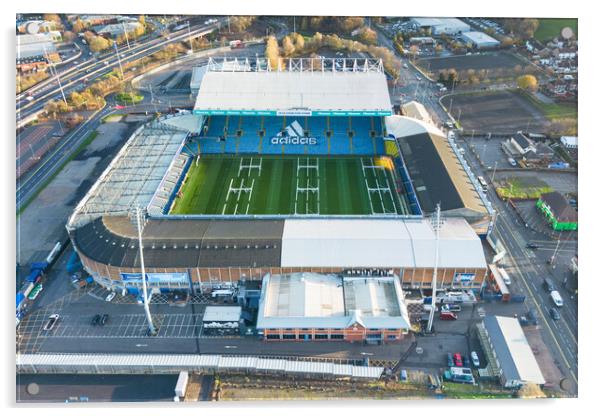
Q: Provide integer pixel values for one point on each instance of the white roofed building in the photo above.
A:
(441, 25)
(328, 307)
(480, 40)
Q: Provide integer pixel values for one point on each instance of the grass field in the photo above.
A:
(276, 185)
(550, 28)
(553, 111)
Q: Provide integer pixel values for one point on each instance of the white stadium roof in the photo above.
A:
(391, 243)
(281, 91)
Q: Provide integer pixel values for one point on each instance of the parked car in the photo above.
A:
(554, 314)
(110, 296)
(448, 316)
(475, 359)
(52, 320)
(95, 320)
(458, 359)
(450, 360)
(403, 375)
(512, 161)
(104, 319)
(466, 361)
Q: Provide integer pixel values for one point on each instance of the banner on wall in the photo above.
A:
(161, 278)
(464, 278)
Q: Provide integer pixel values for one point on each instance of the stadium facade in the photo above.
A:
(308, 109)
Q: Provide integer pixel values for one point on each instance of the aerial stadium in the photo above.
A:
(276, 175)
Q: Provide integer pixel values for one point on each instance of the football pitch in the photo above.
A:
(289, 185)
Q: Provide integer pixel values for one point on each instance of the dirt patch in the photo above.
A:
(501, 112)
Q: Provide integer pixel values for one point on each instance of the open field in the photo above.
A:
(553, 111)
(496, 112)
(523, 188)
(550, 28)
(276, 185)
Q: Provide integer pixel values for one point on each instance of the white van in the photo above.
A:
(556, 298)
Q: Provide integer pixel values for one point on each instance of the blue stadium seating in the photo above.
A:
(362, 142)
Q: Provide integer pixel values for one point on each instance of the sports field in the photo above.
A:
(288, 185)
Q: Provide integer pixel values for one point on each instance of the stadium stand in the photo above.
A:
(243, 135)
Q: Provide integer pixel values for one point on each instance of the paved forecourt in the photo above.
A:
(289, 185)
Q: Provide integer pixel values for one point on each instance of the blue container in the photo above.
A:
(40, 265)
(90, 279)
(34, 276)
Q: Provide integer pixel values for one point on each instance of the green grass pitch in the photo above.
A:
(289, 185)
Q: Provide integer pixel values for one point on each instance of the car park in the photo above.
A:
(475, 359)
(554, 314)
(458, 359)
(52, 321)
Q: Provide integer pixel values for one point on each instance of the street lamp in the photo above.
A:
(151, 327)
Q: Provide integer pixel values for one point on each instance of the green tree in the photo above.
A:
(98, 43)
(527, 82)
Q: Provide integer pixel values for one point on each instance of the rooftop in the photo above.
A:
(313, 300)
(479, 37)
(222, 314)
(270, 92)
(562, 210)
(512, 349)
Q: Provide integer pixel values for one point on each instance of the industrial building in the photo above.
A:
(39, 44)
(509, 356)
(440, 25)
(479, 40)
(222, 320)
(310, 306)
(558, 212)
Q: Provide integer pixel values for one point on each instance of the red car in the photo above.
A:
(458, 359)
(448, 316)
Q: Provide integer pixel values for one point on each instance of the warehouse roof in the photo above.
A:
(479, 38)
(286, 90)
(310, 300)
(512, 349)
(562, 210)
(222, 314)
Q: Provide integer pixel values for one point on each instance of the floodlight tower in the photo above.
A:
(436, 224)
(139, 225)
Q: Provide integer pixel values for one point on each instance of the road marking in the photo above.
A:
(539, 308)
